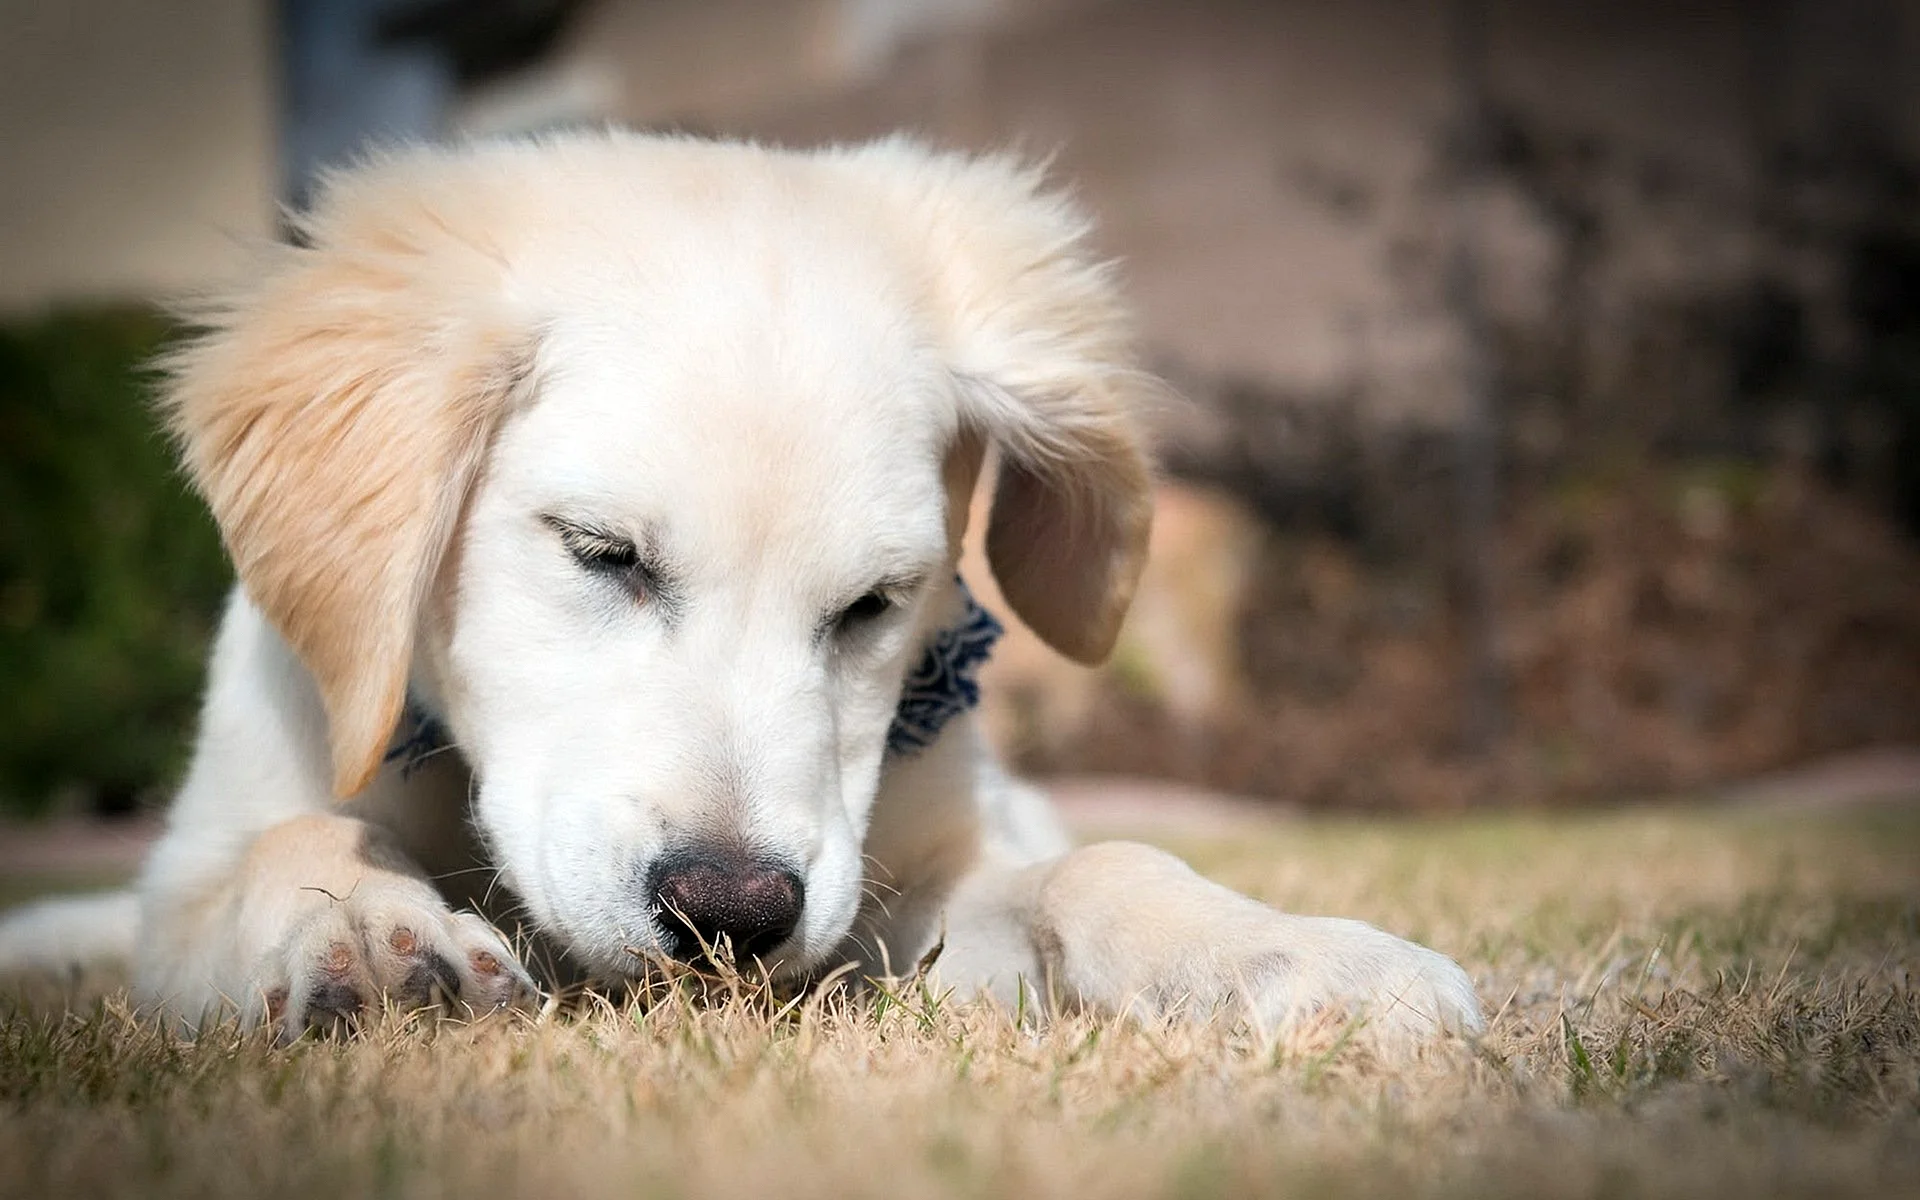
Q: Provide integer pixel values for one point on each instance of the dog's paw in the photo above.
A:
(390, 943)
(1286, 969)
(1131, 928)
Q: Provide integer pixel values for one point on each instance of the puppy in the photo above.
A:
(596, 506)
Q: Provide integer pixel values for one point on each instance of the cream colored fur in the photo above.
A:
(774, 375)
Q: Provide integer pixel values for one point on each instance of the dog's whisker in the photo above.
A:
(459, 871)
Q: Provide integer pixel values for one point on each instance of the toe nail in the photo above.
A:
(333, 1007)
(433, 981)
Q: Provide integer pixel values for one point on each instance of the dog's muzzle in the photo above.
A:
(703, 898)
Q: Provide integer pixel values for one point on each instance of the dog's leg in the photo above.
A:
(1121, 927)
(322, 922)
(267, 899)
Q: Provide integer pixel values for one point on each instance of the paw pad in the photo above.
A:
(339, 959)
(402, 941)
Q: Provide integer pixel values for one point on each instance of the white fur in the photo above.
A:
(759, 366)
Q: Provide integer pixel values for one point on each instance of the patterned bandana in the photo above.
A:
(944, 685)
(419, 738)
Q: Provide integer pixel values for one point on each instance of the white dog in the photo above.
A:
(596, 505)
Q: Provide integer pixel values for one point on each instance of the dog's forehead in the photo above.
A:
(803, 411)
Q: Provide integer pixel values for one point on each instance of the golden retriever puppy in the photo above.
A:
(596, 504)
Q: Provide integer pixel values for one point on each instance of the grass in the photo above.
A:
(1683, 1003)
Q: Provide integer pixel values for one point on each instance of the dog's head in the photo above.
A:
(646, 463)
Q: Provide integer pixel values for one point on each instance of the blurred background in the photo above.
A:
(1551, 429)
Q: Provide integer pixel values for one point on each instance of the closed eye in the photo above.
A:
(599, 553)
(607, 554)
(872, 606)
(866, 608)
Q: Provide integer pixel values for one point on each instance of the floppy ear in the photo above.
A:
(1036, 333)
(332, 411)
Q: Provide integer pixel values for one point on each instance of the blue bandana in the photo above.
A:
(419, 738)
(943, 686)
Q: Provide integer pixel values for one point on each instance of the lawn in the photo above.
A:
(1682, 1003)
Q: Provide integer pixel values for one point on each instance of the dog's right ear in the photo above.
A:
(1032, 326)
(333, 409)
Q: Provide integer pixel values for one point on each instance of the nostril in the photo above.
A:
(704, 897)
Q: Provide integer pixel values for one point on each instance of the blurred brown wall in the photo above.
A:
(1267, 168)
(136, 144)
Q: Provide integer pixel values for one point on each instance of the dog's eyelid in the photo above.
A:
(593, 541)
(898, 590)
(885, 596)
(572, 526)
(869, 605)
(600, 549)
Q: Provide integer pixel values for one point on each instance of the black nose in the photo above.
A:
(704, 896)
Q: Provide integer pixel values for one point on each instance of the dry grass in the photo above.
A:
(1688, 1004)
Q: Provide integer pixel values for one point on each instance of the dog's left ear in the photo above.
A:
(1037, 336)
(334, 410)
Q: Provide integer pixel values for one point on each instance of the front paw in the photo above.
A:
(1130, 928)
(1290, 969)
(391, 942)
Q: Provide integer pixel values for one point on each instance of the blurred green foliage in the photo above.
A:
(111, 573)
